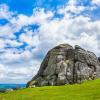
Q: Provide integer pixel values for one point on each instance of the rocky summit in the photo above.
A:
(65, 64)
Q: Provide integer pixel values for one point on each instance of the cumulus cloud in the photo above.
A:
(73, 8)
(97, 2)
(16, 66)
(14, 74)
(21, 54)
(72, 31)
(2, 43)
(4, 12)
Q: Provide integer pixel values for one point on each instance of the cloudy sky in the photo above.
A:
(29, 28)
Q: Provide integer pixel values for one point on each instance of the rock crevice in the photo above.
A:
(67, 65)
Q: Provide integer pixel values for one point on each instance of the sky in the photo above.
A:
(29, 28)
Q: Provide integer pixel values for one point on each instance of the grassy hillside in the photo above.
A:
(87, 91)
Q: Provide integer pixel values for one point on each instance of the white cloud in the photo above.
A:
(4, 12)
(72, 7)
(39, 16)
(97, 2)
(10, 57)
(13, 43)
(27, 39)
(80, 30)
(15, 67)
(2, 43)
(13, 74)
(7, 31)
(2, 71)
(18, 21)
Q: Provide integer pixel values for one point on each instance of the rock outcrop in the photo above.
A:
(67, 65)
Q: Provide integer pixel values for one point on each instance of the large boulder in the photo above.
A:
(67, 65)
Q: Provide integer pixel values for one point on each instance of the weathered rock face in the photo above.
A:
(67, 65)
(99, 59)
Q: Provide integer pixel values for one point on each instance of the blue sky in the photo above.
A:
(29, 28)
(27, 6)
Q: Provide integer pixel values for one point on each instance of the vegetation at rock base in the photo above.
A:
(89, 90)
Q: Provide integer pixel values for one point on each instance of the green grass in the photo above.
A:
(89, 90)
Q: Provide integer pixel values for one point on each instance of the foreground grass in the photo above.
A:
(89, 90)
